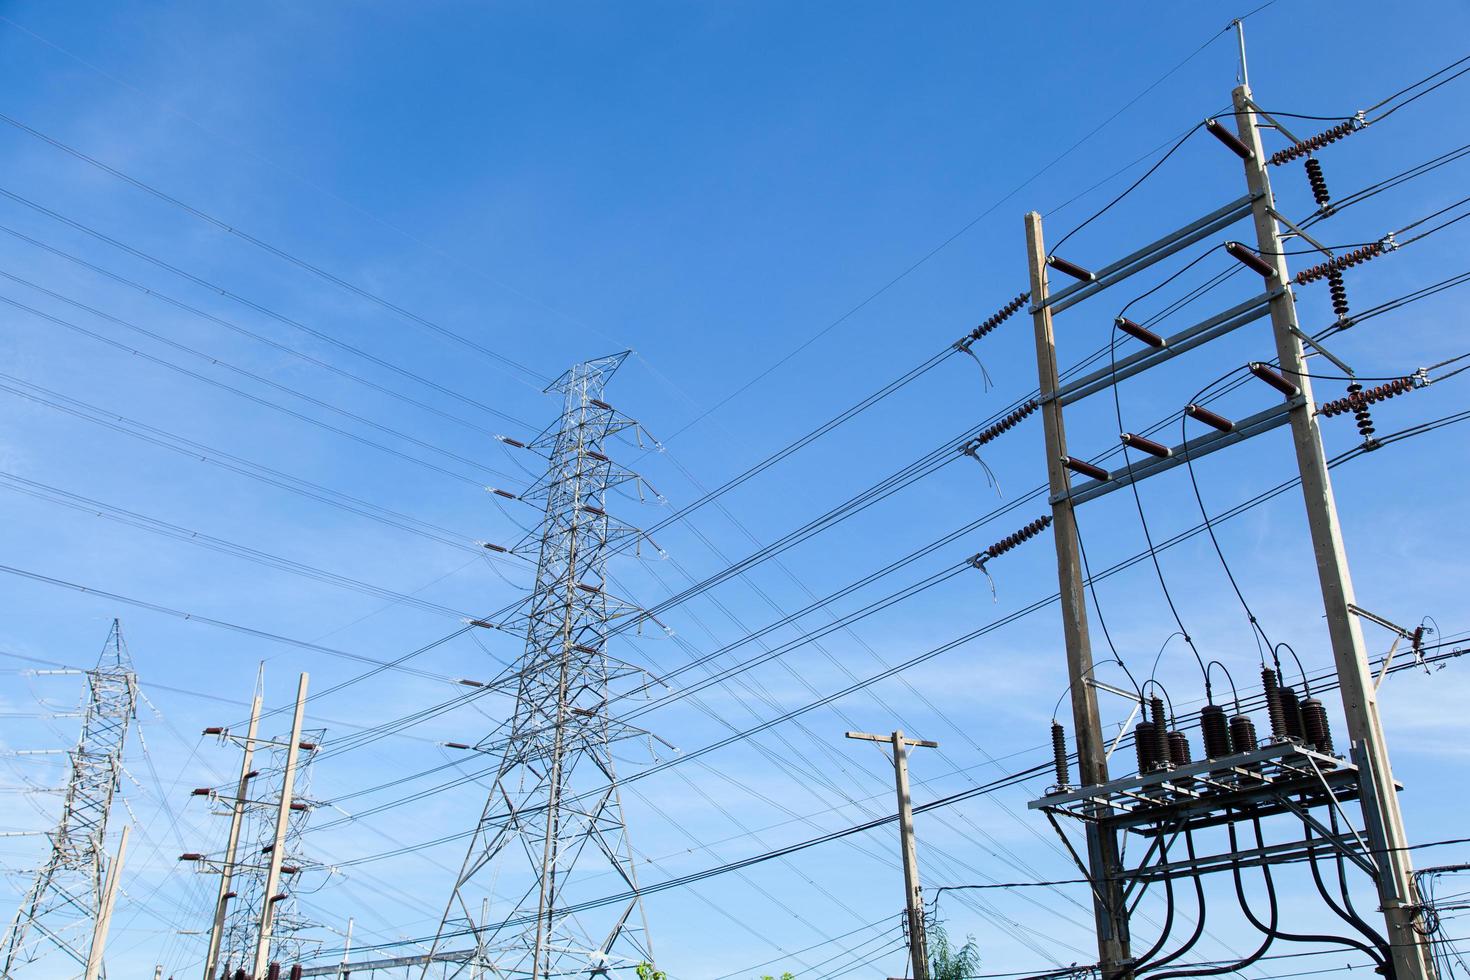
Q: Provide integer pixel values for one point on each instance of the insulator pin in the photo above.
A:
(1139, 332)
(1202, 414)
(1004, 425)
(1243, 734)
(1249, 259)
(1215, 729)
(1344, 261)
(1361, 397)
(1231, 141)
(1085, 468)
(273, 972)
(1313, 143)
(1272, 378)
(1144, 445)
(1070, 268)
(1318, 182)
(296, 972)
(1059, 754)
(1315, 727)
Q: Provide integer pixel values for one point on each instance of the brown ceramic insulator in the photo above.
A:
(1273, 704)
(1178, 748)
(1338, 289)
(1000, 316)
(1231, 141)
(1357, 399)
(1059, 753)
(1250, 259)
(1291, 714)
(1318, 182)
(1144, 747)
(1243, 734)
(1315, 725)
(1344, 261)
(1012, 540)
(1003, 426)
(1361, 415)
(1085, 468)
(1313, 143)
(1161, 730)
(1070, 268)
(1215, 729)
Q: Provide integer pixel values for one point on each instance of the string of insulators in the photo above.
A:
(1361, 415)
(1160, 731)
(1365, 396)
(1215, 729)
(1315, 727)
(1314, 143)
(1273, 704)
(1012, 540)
(996, 319)
(1338, 289)
(1059, 754)
(1318, 182)
(1344, 261)
(1004, 425)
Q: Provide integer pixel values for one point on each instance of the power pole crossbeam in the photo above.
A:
(1109, 907)
(1381, 815)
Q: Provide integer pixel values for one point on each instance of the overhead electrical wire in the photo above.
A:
(279, 253)
(251, 304)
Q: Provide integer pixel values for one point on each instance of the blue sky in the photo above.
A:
(723, 189)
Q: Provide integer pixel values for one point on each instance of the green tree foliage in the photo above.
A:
(948, 962)
(647, 972)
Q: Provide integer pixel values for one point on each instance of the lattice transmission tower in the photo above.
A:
(60, 910)
(554, 816)
(291, 939)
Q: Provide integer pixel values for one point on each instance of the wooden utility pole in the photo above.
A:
(278, 846)
(237, 816)
(913, 894)
(104, 914)
(1109, 908)
(1382, 819)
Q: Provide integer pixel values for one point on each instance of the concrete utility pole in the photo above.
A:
(237, 816)
(278, 847)
(913, 894)
(1109, 908)
(1382, 819)
(104, 914)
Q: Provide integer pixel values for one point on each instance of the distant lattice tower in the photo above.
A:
(554, 817)
(60, 910)
(291, 942)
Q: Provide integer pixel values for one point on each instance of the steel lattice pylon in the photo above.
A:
(554, 812)
(60, 910)
(290, 939)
